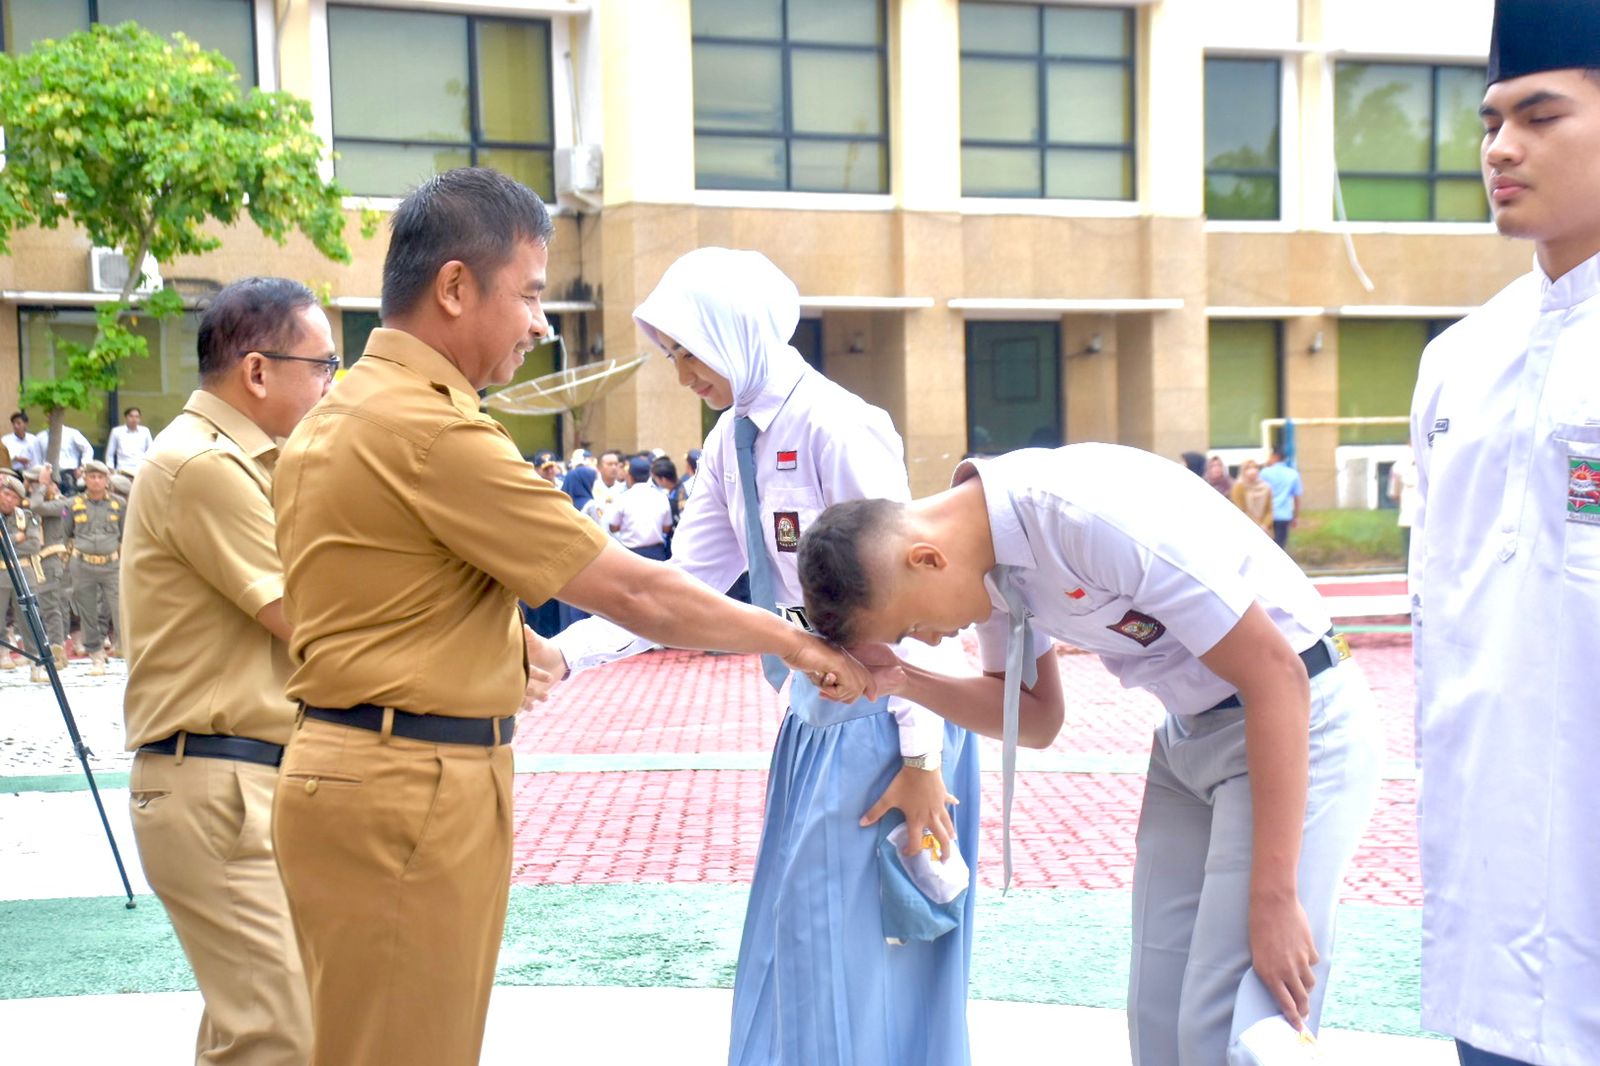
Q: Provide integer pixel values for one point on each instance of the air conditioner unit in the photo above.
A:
(578, 170)
(108, 272)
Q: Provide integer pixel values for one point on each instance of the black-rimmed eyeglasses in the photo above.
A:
(329, 365)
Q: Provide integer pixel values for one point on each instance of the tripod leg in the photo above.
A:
(39, 653)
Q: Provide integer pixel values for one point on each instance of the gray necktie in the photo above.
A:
(755, 546)
(1022, 668)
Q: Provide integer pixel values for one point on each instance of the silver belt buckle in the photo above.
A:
(796, 616)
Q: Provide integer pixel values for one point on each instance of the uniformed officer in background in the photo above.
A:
(46, 501)
(96, 549)
(207, 662)
(22, 526)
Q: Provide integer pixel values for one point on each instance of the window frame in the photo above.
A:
(1276, 173)
(787, 133)
(1042, 60)
(475, 142)
(93, 7)
(1432, 176)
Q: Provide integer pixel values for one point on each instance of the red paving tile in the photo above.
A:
(1069, 830)
(1391, 587)
(702, 826)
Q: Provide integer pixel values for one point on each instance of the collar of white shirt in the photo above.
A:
(775, 394)
(1572, 288)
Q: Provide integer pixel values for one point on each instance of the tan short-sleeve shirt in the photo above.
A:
(198, 564)
(409, 526)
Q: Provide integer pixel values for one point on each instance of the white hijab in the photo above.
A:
(732, 310)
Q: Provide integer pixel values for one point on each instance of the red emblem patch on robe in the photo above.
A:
(788, 460)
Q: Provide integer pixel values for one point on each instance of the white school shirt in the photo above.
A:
(75, 448)
(819, 446)
(127, 447)
(605, 500)
(643, 511)
(25, 450)
(1130, 556)
(1505, 567)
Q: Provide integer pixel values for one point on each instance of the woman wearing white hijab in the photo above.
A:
(819, 980)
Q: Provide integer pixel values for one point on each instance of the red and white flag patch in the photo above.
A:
(788, 460)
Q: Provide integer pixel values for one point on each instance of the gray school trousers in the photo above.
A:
(1191, 990)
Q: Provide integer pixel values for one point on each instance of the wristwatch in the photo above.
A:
(931, 761)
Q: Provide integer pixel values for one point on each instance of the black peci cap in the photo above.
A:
(1534, 35)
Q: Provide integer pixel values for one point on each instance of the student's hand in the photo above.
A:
(887, 671)
(832, 669)
(1283, 951)
(920, 795)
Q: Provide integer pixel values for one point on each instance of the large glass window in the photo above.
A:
(790, 95)
(1243, 110)
(226, 26)
(1246, 380)
(1013, 386)
(1046, 101)
(418, 92)
(1407, 138)
(1378, 362)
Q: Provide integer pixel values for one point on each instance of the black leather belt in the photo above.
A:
(1316, 658)
(207, 746)
(433, 728)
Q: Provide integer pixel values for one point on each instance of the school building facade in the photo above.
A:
(1011, 223)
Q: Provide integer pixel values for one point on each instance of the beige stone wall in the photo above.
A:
(1146, 386)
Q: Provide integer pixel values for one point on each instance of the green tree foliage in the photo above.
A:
(142, 141)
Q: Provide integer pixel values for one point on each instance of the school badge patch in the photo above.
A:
(1139, 627)
(786, 530)
(788, 460)
(1583, 490)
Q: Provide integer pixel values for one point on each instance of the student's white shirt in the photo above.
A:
(1505, 570)
(25, 451)
(605, 500)
(127, 447)
(641, 515)
(1130, 556)
(819, 444)
(75, 449)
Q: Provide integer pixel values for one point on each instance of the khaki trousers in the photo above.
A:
(396, 855)
(202, 826)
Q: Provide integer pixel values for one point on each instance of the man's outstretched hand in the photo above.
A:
(834, 671)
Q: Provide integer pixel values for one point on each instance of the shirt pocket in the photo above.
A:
(1578, 448)
(787, 511)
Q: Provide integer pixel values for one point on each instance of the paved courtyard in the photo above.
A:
(639, 791)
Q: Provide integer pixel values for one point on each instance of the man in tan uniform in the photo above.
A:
(96, 548)
(44, 497)
(22, 526)
(207, 663)
(409, 526)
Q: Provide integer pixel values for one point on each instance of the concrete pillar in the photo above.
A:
(1311, 390)
(1089, 379)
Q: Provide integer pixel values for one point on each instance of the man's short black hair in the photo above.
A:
(474, 215)
(251, 315)
(19, 414)
(664, 467)
(835, 579)
(126, 411)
